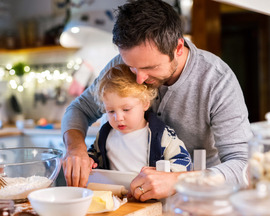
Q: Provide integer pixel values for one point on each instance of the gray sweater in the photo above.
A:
(205, 107)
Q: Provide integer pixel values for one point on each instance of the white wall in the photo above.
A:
(260, 6)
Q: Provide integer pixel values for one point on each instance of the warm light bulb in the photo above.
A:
(56, 72)
(13, 84)
(12, 72)
(8, 66)
(26, 68)
(20, 88)
(49, 77)
(70, 64)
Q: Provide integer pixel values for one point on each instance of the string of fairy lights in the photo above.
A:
(39, 74)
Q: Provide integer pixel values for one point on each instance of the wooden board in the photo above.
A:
(152, 208)
(135, 209)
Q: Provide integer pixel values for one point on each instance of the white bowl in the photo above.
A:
(61, 201)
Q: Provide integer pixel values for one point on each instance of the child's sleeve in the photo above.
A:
(94, 151)
(175, 151)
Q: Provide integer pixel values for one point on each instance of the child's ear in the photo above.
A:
(146, 105)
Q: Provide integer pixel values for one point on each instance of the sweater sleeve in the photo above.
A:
(231, 129)
(175, 151)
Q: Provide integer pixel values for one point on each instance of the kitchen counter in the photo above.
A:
(10, 131)
(13, 131)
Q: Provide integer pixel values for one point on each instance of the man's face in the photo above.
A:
(150, 65)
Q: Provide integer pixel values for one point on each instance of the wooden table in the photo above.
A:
(152, 208)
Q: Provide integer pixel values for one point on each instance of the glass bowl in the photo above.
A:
(27, 169)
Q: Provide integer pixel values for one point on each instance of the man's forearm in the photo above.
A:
(74, 139)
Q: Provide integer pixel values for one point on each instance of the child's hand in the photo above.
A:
(93, 164)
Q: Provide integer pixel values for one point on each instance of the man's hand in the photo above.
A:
(77, 165)
(152, 184)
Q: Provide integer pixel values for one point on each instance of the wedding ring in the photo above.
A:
(141, 189)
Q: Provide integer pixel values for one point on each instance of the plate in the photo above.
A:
(112, 177)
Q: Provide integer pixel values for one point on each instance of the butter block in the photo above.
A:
(101, 201)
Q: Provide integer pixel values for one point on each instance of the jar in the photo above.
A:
(6, 207)
(259, 153)
(253, 201)
(202, 194)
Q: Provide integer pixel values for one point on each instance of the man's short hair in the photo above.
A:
(148, 20)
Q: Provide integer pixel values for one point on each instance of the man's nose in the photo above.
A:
(141, 77)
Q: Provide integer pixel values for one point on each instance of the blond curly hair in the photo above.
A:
(121, 80)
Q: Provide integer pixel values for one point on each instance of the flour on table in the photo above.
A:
(19, 188)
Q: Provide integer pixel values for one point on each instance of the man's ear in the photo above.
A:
(180, 47)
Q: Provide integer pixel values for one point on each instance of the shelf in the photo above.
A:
(36, 49)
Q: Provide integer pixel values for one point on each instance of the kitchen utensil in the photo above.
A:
(112, 177)
(3, 182)
(61, 201)
(7, 208)
(117, 190)
(26, 169)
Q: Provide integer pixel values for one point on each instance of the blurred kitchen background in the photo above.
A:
(39, 76)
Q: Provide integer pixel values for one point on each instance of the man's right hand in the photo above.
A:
(77, 165)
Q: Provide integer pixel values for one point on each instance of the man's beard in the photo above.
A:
(160, 82)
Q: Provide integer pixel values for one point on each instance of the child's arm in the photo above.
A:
(175, 151)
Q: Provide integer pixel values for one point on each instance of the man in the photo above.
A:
(199, 97)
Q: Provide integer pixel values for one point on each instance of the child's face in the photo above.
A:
(126, 114)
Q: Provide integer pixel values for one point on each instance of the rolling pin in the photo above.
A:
(117, 190)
